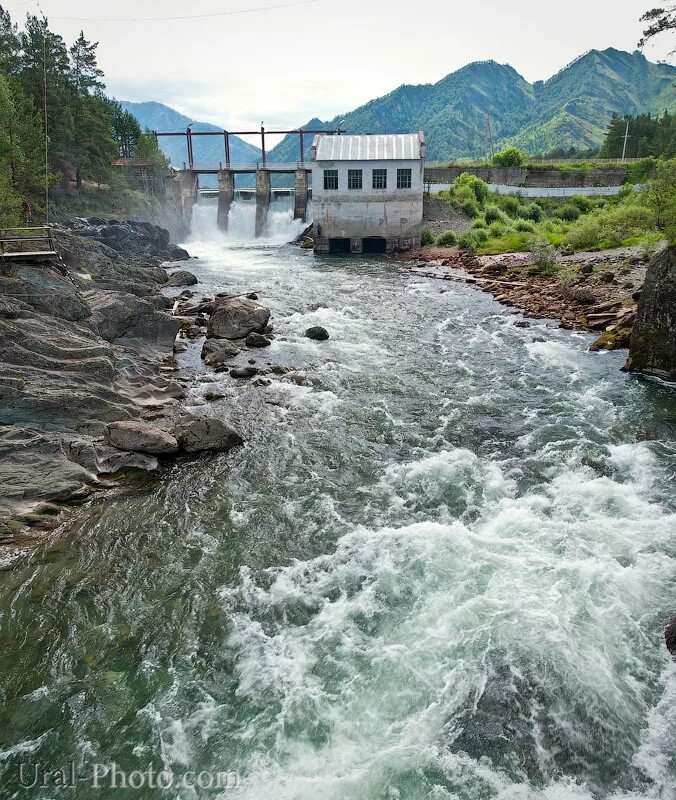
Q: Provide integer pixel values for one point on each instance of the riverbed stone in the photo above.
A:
(243, 372)
(670, 637)
(217, 352)
(181, 277)
(257, 340)
(140, 437)
(318, 333)
(236, 318)
(196, 433)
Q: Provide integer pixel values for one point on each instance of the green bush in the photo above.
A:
(511, 157)
(524, 226)
(494, 214)
(481, 234)
(510, 205)
(497, 229)
(479, 222)
(569, 212)
(469, 241)
(470, 207)
(427, 237)
(447, 239)
(478, 187)
(531, 211)
(583, 203)
(611, 226)
(544, 254)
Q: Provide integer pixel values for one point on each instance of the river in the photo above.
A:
(440, 567)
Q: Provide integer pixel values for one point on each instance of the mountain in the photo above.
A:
(206, 149)
(571, 109)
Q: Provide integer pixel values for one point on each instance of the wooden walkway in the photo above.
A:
(26, 243)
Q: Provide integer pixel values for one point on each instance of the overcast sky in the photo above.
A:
(324, 57)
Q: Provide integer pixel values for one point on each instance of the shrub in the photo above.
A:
(524, 226)
(659, 197)
(544, 254)
(497, 229)
(611, 226)
(478, 187)
(585, 234)
(583, 203)
(531, 211)
(479, 222)
(427, 237)
(511, 157)
(468, 241)
(447, 239)
(510, 205)
(494, 214)
(569, 212)
(470, 207)
(481, 234)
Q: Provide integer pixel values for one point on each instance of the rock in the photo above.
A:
(236, 318)
(607, 277)
(160, 302)
(177, 253)
(257, 340)
(586, 269)
(522, 323)
(652, 349)
(212, 396)
(670, 637)
(124, 316)
(46, 289)
(612, 339)
(181, 277)
(196, 433)
(140, 437)
(580, 295)
(317, 332)
(252, 296)
(9, 309)
(217, 352)
(243, 372)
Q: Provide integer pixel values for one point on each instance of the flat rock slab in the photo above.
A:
(140, 437)
(196, 433)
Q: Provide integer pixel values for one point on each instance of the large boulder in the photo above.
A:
(318, 333)
(120, 316)
(181, 277)
(140, 437)
(652, 350)
(45, 289)
(236, 318)
(196, 433)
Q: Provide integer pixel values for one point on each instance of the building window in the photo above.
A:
(354, 179)
(380, 179)
(403, 179)
(330, 178)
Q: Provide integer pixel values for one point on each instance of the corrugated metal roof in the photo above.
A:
(372, 147)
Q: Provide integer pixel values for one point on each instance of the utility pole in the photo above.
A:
(626, 137)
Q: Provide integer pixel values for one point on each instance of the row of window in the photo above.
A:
(355, 179)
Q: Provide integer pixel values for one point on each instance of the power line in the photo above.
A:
(188, 16)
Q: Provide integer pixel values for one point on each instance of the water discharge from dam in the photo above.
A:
(439, 568)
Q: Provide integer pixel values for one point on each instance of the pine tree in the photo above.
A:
(9, 44)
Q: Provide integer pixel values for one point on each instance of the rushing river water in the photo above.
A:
(440, 567)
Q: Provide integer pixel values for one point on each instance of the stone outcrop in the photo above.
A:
(120, 316)
(140, 437)
(652, 350)
(236, 318)
(197, 433)
(181, 277)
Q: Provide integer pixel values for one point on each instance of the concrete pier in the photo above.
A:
(226, 195)
(262, 200)
(300, 202)
(184, 189)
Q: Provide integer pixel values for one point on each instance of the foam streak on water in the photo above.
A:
(439, 569)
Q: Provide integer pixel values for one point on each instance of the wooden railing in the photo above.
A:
(26, 242)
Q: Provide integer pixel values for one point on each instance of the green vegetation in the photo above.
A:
(508, 223)
(81, 122)
(649, 135)
(427, 237)
(448, 239)
(510, 157)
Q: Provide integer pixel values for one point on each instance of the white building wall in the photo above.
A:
(391, 213)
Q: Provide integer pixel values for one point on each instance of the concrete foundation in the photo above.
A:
(300, 203)
(262, 200)
(184, 191)
(226, 195)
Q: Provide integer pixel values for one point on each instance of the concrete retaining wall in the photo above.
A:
(532, 176)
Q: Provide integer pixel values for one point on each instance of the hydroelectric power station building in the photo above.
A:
(367, 192)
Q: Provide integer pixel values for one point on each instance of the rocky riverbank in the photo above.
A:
(596, 291)
(89, 383)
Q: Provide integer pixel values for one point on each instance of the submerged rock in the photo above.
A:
(670, 637)
(196, 433)
(236, 318)
(317, 332)
(243, 372)
(140, 437)
(216, 352)
(652, 350)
